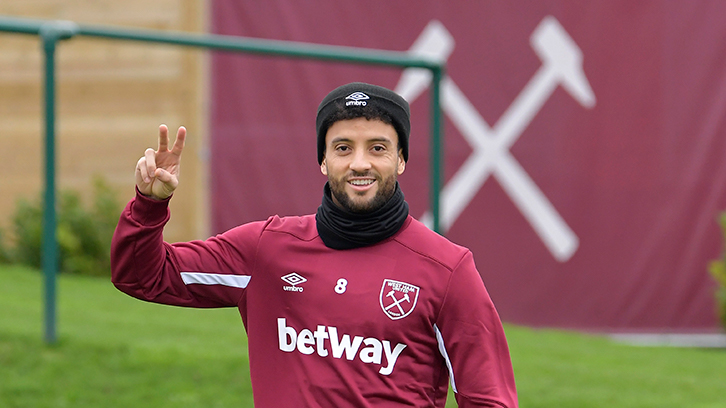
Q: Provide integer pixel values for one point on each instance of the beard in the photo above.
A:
(386, 188)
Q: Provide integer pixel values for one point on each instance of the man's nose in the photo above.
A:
(361, 161)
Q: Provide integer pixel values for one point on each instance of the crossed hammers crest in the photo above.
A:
(561, 66)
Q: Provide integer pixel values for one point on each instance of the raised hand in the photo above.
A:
(157, 173)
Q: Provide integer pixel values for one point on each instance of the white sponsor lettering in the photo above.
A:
(308, 342)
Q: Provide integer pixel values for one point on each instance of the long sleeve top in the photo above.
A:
(387, 325)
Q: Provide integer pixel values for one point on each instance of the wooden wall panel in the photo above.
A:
(112, 95)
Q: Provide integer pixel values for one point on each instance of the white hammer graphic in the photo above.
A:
(397, 302)
(561, 65)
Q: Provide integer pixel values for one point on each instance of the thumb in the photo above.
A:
(164, 176)
(164, 184)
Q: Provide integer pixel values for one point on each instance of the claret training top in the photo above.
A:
(388, 325)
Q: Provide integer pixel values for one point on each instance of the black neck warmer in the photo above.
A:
(342, 229)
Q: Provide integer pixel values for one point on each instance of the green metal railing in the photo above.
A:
(53, 31)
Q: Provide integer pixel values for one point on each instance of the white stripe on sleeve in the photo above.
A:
(442, 350)
(235, 281)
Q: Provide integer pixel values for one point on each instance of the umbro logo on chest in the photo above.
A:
(293, 280)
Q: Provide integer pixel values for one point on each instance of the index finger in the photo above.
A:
(181, 136)
(163, 138)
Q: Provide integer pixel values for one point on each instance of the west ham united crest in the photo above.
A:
(398, 298)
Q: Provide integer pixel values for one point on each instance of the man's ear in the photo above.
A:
(324, 167)
(401, 163)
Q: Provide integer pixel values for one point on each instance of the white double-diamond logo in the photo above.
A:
(561, 65)
(357, 99)
(293, 279)
(357, 96)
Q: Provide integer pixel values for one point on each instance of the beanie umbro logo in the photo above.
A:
(357, 99)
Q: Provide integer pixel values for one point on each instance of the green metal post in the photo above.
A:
(436, 153)
(50, 34)
(50, 246)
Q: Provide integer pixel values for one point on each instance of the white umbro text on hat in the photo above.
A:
(357, 99)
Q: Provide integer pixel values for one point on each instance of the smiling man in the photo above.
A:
(358, 305)
(362, 162)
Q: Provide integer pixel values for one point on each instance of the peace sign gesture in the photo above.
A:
(157, 173)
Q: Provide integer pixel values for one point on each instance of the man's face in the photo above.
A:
(362, 162)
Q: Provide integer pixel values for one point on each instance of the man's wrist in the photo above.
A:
(149, 210)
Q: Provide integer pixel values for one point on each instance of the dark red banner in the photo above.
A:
(585, 150)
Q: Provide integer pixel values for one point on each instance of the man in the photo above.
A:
(359, 305)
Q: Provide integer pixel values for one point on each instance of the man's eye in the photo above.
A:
(342, 148)
(379, 148)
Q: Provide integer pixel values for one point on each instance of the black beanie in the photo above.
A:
(356, 95)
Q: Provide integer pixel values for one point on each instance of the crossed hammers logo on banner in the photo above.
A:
(561, 65)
